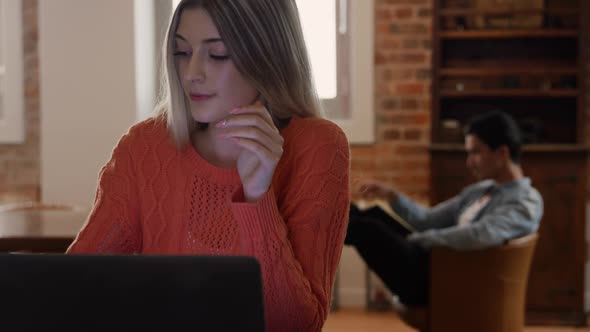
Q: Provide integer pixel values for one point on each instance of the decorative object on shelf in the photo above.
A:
(546, 85)
(518, 14)
(460, 23)
(510, 82)
(532, 130)
(567, 82)
(452, 131)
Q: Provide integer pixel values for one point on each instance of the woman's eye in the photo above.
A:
(181, 53)
(219, 57)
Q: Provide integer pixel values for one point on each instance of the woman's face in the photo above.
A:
(210, 81)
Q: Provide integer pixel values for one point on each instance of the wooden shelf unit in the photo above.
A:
(535, 69)
(510, 93)
(509, 33)
(454, 12)
(483, 71)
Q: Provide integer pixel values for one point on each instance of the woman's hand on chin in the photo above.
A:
(252, 128)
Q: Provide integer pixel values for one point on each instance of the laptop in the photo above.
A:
(130, 293)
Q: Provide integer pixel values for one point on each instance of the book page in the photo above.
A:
(364, 204)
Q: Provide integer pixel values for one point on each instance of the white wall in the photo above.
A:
(351, 290)
(88, 98)
(145, 61)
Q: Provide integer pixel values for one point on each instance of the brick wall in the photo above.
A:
(403, 39)
(20, 164)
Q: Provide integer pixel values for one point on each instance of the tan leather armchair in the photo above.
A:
(480, 290)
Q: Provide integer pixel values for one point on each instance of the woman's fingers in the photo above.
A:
(237, 122)
(253, 125)
(273, 141)
(264, 154)
(247, 115)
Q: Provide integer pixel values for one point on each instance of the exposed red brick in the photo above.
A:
(391, 103)
(404, 13)
(404, 2)
(381, 160)
(412, 134)
(426, 104)
(388, 44)
(411, 88)
(363, 151)
(409, 104)
(384, 75)
(380, 58)
(411, 43)
(413, 28)
(383, 15)
(401, 74)
(415, 164)
(381, 89)
(391, 165)
(411, 149)
(425, 12)
(409, 58)
(424, 74)
(410, 181)
(391, 134)
(382, 28)
(364, 164)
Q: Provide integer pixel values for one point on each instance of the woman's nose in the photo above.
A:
(195, 71)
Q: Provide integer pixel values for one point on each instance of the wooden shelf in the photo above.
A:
(535, 148)
(510, 93)
(510, 33)
(495, 71)
(474, 12)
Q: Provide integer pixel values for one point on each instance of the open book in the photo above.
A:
(380, 209)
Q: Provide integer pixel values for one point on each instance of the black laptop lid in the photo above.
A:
(130, 293)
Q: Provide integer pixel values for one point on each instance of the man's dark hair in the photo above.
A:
(496, 129)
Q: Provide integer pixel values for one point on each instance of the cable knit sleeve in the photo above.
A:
(296, 230)
(113, 226)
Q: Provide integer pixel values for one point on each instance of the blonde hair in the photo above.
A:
(265, 42)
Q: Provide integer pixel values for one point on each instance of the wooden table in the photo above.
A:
(33, 230)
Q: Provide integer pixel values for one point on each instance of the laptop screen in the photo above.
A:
(130, 293)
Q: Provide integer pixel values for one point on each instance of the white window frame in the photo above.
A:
(360, 127)
(355, 71)
(12, 124)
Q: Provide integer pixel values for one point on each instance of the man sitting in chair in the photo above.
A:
(502, 206)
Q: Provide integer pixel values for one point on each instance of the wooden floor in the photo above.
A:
(347, 320)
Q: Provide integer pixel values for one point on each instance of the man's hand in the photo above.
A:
(374, 190)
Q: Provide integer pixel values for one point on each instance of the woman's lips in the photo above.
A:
(201, 97)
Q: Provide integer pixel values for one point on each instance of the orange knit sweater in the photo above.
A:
(155, 199)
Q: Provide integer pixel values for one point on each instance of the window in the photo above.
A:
(340, 46)
(11, 73)
(327, 45)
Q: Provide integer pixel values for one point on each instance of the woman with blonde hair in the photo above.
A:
(236, 162)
